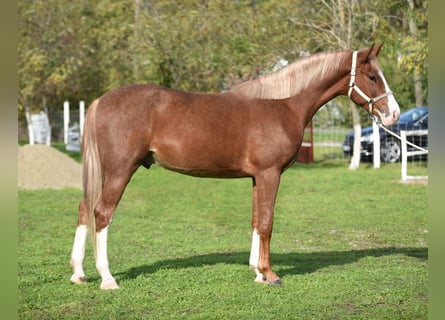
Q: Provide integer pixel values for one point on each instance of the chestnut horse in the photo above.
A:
(254, 130)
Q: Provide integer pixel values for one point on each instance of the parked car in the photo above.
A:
(390, 148)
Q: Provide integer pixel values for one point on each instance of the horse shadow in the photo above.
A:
(285, 263)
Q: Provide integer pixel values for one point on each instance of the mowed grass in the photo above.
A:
(347, 245)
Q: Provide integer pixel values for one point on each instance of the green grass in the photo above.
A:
(347, 245)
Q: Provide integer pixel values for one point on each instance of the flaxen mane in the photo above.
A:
(291, 79)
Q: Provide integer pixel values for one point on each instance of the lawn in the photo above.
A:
(347, 245)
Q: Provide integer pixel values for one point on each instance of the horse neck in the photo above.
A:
(323, 85)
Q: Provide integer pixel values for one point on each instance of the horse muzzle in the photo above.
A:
(388, 119)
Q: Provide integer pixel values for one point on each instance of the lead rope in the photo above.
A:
(396, 135)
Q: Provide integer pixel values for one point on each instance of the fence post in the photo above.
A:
(376, 145)
(48, 128)
(81, 116)
(66, 121)
(404, 155)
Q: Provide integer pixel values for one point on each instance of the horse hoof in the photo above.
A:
(78, 280)
(109, 284)
(276, 282)
(260, 278)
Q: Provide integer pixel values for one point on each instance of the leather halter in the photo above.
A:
(353, 85)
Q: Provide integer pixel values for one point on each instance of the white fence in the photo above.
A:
(72, 133)
(406, 153)
(329, 132)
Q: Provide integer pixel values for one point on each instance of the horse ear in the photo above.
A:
(368, 52)
(377, 50)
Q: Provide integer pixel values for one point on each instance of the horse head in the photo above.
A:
(368, 87)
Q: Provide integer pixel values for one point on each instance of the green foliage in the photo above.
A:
(347, 245)
(207, 47)
(409, 50)
(66, 49)
(414, 58)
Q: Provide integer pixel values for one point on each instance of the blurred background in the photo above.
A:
(77, 50)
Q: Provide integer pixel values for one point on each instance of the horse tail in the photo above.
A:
(92, 177)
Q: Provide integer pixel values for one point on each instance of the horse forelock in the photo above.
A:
(292, 79)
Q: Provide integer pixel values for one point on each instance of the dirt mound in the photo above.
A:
(42, 167)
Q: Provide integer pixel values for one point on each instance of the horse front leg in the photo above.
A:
(78, 252)
(265, 188)
(255, 248)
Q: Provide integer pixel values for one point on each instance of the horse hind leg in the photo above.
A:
(108, 281)
(111, 193)
(78, 252)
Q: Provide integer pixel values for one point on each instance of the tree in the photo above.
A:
(71, 51)
(204, 46)
(396, 21)
(52, 50)
(416, 46)
(81, 49)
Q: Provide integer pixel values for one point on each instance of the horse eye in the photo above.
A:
(373, 78)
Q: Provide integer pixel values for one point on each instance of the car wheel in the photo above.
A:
(390, 151)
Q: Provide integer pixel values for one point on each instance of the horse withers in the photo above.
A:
(255, 131)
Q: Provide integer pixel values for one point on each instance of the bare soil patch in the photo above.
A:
(423, 180)
(43, 167)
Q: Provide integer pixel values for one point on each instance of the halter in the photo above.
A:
(353, 86)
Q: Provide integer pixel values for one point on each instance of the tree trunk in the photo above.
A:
(418, 90)
(137, 40)
(356, 122)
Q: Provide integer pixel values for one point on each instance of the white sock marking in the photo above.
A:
(102, 256)
(255, 256)
(78, 254)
